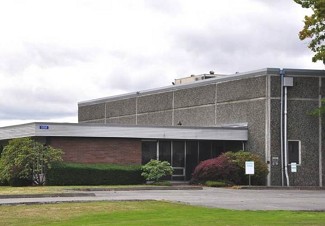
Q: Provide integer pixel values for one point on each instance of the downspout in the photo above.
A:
(284, 130)
(281, 127)
(285, 122)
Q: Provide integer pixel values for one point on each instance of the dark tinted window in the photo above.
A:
(149, 151)
(178, 154)
(204, 150)
(165, 151)
(293, 151)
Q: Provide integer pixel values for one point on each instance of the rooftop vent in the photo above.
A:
(194, 78)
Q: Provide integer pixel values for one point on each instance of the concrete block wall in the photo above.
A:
(98, 150)
(92, 113)
(303, 97)
(244, 101)
(322, 123)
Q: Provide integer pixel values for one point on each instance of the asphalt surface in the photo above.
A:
(239, 199)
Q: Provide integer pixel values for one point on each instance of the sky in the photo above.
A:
(56, 53)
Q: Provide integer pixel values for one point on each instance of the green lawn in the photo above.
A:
(148, 213)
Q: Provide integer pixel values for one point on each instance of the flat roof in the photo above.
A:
(256, 73)
(237, 132)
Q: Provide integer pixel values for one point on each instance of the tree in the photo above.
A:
(27, 160)
(314, 27)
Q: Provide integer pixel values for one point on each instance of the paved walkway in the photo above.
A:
(240, 199)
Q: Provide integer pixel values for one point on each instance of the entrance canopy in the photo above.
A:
(40, 129)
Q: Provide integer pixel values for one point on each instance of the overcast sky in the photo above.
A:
(54, 54)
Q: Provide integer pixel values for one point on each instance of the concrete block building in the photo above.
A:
(266, 112)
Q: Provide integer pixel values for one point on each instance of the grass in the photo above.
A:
(148, 213)
(211, 183)
(7, 190)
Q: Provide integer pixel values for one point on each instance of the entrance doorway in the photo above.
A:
(173, 152)
(178, 160)
(183, 155)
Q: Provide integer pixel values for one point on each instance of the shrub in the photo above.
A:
(93, 174)
(155, 170)
(230, 168)
(216, 169)
(260, 166)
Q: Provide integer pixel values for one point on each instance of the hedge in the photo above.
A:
(93, 174)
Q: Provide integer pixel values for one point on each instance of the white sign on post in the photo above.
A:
(293, 167)
(249, 167)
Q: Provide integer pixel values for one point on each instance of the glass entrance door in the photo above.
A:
(178, 160)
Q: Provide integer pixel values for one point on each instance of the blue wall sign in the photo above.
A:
(43, 127)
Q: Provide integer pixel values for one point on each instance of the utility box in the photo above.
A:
(288, 81)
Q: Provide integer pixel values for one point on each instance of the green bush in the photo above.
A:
(155, 170)
(93, 174)
(211, 183)
(261, 170)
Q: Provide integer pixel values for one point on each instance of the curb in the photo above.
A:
(72, 201)
(311, 188)
(47, 195)
(143, 188)
(83, 191)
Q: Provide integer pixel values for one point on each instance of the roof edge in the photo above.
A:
(259, 72)
(225, 126)
(235, 76)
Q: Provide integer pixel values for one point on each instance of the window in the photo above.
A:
(165, 151)
(149, 151)
(294, 151)
(204, 150)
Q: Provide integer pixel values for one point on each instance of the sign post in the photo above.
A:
(250, 170)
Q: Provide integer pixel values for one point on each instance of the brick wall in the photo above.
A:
(98, 150)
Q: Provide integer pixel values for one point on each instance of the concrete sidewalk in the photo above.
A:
(239, 199)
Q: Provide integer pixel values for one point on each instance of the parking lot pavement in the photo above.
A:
(240, 199)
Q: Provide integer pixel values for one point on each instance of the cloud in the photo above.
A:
(261, 39)
(171, 7)
(44, 55)
(55, 54)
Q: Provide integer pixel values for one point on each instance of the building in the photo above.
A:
(265, 112)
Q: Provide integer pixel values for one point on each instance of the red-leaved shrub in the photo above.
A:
(221, 168)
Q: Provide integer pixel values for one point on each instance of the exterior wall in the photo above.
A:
(98, 150)
(322, 123)
(252, 112)
(155, 109)
(303, 97)
(253, 99)
(323, 148)
(193, 106)
(95, 112)
(244, 101)
(217, 103)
